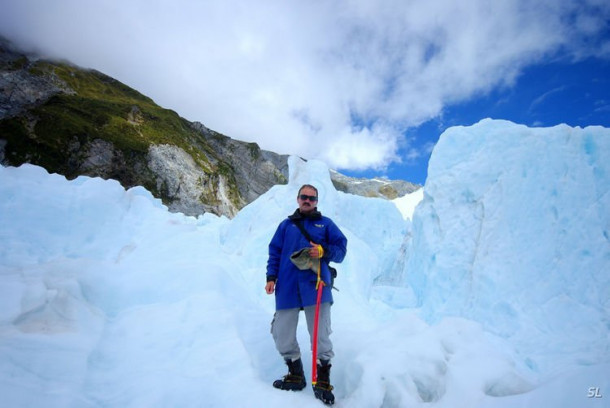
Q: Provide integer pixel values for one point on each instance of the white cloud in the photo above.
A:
(292, 76)
(362, 148)
(542, 98)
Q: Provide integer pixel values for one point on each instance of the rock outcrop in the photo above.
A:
(20, 86)
(377, 187)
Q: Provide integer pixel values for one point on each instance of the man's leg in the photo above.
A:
(323, 390)
(284, 331)
(325, 346)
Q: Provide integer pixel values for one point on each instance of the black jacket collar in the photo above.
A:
(298, 215)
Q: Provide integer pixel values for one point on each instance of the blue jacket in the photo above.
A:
(295, 287)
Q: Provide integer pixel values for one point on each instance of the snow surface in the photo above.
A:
(407, 203)
(495, 295)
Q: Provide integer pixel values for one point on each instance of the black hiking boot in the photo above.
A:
(322, 389)
(295, 379)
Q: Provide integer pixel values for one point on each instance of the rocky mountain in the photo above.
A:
(376, 187)
(75, 121)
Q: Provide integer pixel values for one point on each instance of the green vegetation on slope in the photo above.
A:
(98, 107)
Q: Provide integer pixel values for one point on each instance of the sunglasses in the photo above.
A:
(304, 197)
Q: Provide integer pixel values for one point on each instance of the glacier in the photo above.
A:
(493, 291)
(514, 233)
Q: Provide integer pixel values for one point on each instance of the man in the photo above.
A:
(295, 288)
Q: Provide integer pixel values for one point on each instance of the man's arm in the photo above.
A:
(336, 248)
(275, 253)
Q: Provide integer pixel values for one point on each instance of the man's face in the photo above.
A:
(307, 205)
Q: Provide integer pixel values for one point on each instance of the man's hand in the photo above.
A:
(316, 250)
(270, 287)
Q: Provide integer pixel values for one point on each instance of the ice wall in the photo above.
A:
(514, 232)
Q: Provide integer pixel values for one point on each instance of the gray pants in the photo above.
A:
(284, 331)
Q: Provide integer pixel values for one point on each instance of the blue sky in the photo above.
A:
(366, 86)
(546, 94)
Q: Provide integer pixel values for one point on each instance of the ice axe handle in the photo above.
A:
(316, 318)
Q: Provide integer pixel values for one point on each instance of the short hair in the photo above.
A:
(307, 186)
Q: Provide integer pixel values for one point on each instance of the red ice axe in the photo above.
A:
(316, 317)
